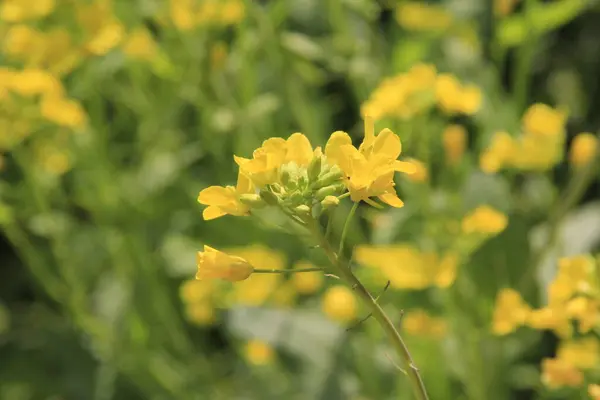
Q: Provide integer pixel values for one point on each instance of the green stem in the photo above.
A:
(525, 56)
(346, 228)
(286, 271)
(343, 270)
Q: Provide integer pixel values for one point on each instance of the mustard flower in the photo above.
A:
(484, 220)
(63, 111)
(510, 312)
(558, 373)
(581, 353)
(583, 149)
(454, 140)
(543, 120)
(22, 10)
(421, 173)
(214, 264)
(339, 304)
(550, 318)
(258, 353)
(369, 170)
(421, 17)
(306, 283)
(226, 200)
(140, 45)
(594, 391)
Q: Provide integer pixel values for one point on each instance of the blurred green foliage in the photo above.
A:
(114, 115)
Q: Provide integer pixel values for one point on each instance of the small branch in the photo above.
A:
(286, 271)
(346, 228)
(356, 325)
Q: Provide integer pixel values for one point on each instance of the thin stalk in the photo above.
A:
(343, 270)
(286, 271)
(346, 228)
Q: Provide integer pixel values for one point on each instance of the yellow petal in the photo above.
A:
(337, 140)
(244, 184)
(212, 212)
(369, 132)
(387, 143)
(299, 149)
(240, 160)
(391, 199)
(215, 195)
(406, 167)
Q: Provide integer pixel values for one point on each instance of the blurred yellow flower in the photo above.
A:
(510, 312)
(200, 313)
(421, 173)
(33, 82)
(586, 311)
(140, 45)
(498, 154)
(594, 391)
(214, 264)
(62, 111)
(558, 373)
(193, 291)
(226, 200)
(484, 220)
(369, 170)
(583, 149)
(52, 159)
(454, 98)
(454, 140)
(103, 30)
(189, 14)
(551, 318)
(106, 39)
(259, 353)
(420, 323)
(543, 120)
(306, 282)
(339, 304)
(582, 353)
(422, 17)
(21, 10)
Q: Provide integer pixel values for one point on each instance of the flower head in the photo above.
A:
(558, 373)
(369, 170)
(226, 200)
(510, 312)
(583, 149)
(340, 304)
(484, 220)
(214, 264)
(258, 352)
(583, 353)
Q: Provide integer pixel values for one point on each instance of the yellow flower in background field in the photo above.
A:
(454, 98)
(339, 304)
(499, 153)
(422, 17)
(454, 140)
(258, 288)
(586, 311)
(582, 353)
(306, 282)
(197, 297)
(543, 120)
(62, 111)
(369, 170)
(557, 373)
(140, 45)
(200, 313)
(510, 312)
(22, 10)
(259, 353)
(193, 290)
(551, 318)
(189, 14)
(484, 220)
(420, 323)
(226, 200)
(583, 149)
(421, 173)
(214, 264)
(594, 391)
(103, 30)
(34, 82)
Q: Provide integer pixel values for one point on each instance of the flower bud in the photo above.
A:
(329, 191)
(303, 210)
(314, 168)
(295, 198)
(334, 175)
(269, 197)
(330, 202)
(214, 264)
(252, 200)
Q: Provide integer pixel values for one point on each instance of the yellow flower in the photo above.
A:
(258, 288)
(369, 171)
(103, 30)
(306, 282)
(542, 120)
(339, 304)
(106, 39)
(419, 323)
(20, 40)
(20, 10)
(454, 139)
(594, 391)
(259, 353)
(586, 311)
(52, 159)
(454, 98)
(583, 149)
(553, 318)
(214, 264)
(557, 373)
(62, 111)
(484, 220)
(510, 312)
(263, 167)
(232, 12)
(200, 313)
(33, 82)
(195, 291)
(583, 353)
(499, 153)
(421, 173)
(226, 200)
(417, 16)
(140, 45)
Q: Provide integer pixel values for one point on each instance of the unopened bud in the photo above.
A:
(331, 190)
(252, 200)
(331, 177)
(314, 168)
(285, 177)
(296, 198)
(269, 197)
(330, 202)
(302, 210)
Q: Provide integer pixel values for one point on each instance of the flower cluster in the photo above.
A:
(572, 313)
(291, 175)
(422, 17)
(538, 148)
(418, 90)
(189, 14)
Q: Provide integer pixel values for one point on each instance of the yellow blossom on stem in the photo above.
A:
(557, 373)
(214, 264)
(226, 200)
(543, 120)
(484, 220)
(339, 304)
(454, 98)
(551, 318)
(499, 153)
(583, 149)
(582, 353)
(510, 312)
(33, 82)
(63, 111)
(369, 170)
(586, 311)
(259, 353)
(140, 45)
(594, 391)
